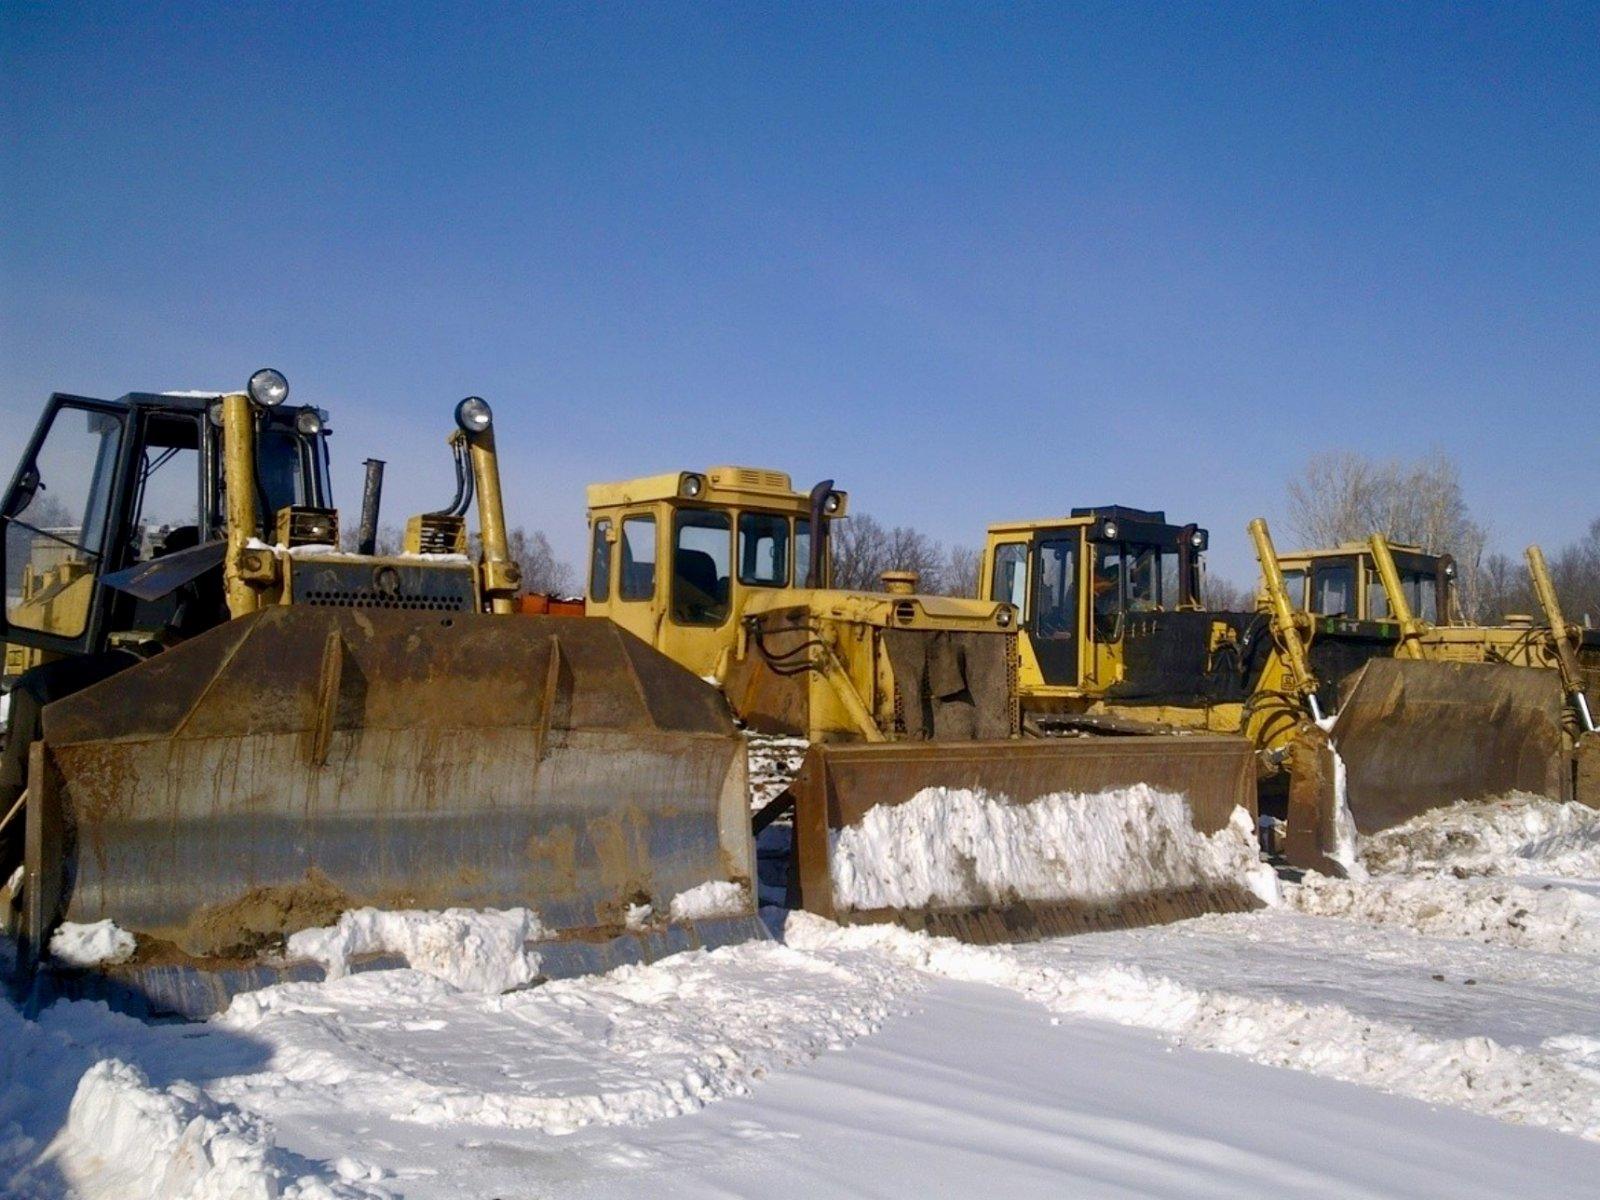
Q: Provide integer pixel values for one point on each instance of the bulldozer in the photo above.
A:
(224, 729)
(728, 571)
(1458, 711)
(1116, 639)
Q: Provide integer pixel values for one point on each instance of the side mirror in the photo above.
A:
(22, 494)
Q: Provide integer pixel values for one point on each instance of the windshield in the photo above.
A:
(1134, 578)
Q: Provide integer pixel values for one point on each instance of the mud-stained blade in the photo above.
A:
(839, 784)
(273, 772)
(1418, 735)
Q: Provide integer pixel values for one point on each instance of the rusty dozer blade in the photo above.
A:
(838, 786)
(289, 765)
(1415, 735)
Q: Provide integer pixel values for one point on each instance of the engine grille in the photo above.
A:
(382, 585)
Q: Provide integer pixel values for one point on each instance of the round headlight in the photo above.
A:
(308, 421)
(1197, 540)
(1449, 570)
(214, 411)
(691, 486)
(268, 387)
(1110, 530)
(473, 415)
(831, 504)
(1003, 618)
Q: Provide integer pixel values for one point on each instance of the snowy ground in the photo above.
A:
(1431, 1030)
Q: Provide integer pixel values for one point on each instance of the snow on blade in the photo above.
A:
(1473, 1073)
(96, 944)
(955, 847)
(713, 898)
(1550, 920)
(474, 951)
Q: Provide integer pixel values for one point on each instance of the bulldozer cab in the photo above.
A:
(105, 486)
(1343, 583)
(676, 559)
(1080, 580)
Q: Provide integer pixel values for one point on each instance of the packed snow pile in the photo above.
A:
(713, 898)
(95, 944)
(1547, 919)
(955, 847)
(1519, 834)
(1473, 1073)
(475, 951)
(638, 1044)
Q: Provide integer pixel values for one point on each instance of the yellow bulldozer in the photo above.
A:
(1117, 640)
(1458, 711)
(224, 729)
(728, 572)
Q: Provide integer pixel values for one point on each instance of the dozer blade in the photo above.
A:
(841, 790)
(290, 765)
(1416, 735)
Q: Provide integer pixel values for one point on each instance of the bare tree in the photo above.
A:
(1342, 496)
(542, 572)
(863, 550)
(961, 570)
(1223, 595)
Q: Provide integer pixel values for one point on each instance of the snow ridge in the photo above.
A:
(636, 1045)
(1476, 1073)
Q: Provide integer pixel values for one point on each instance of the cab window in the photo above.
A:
(763, 549)
(1377, 599)
(1424, 592)
(638, 558)
(1294, 582)
(1333, 589)
(1057, 589)
(56, 529)
(1010, 584)
(600, 561)
(802, 555)
(1109, 568)
(167, 496)
(700, 574)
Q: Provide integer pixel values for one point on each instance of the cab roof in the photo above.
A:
(725, 485)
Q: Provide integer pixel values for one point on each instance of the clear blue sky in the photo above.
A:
(977, 263)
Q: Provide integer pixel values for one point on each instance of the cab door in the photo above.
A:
(61, 521)
(1054, 622)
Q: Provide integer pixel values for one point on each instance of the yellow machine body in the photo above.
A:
(898, 692)
(250, 731)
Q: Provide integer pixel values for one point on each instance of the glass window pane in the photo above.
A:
(167, 496)
(638, 558)
(1295, 584)
(1109, 567)
(1377, 599)
(1146, 572)
(1057, 589)
(1424, 593)
(1011, 575)
(763, 549)
(55, 540)
(802, 553)
(700, 574)
(1333, 590)
(600, 561)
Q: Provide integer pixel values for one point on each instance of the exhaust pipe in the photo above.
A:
(815, 574)
(371, 498)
